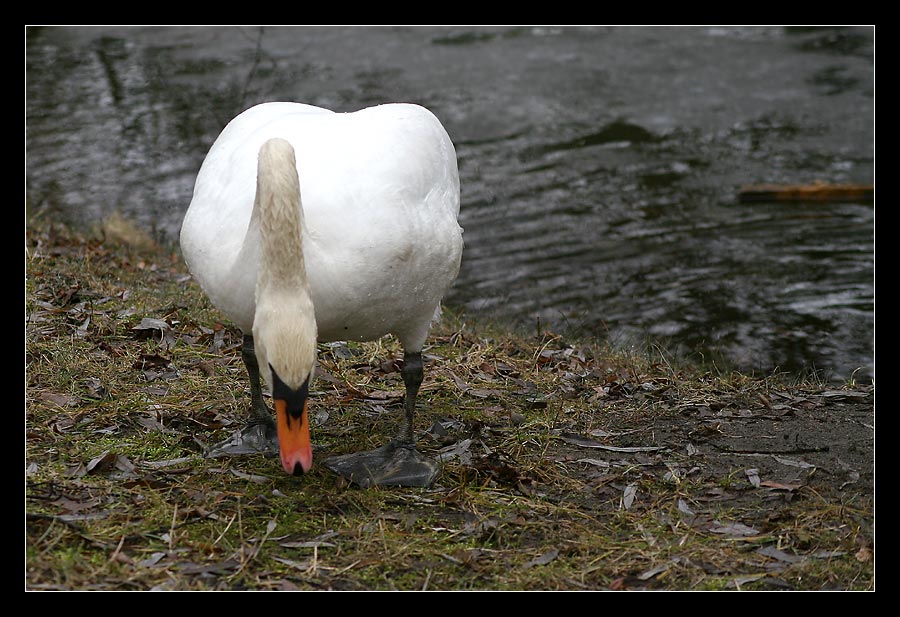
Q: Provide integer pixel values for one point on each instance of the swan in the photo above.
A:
(310, 226)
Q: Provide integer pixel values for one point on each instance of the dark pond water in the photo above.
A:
(599, 166)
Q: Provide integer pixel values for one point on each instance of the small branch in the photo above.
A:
(770, 452)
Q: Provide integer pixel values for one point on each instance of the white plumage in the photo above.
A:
(379, 190)
(380, 194)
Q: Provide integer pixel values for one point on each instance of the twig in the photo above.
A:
(768, 452)
(256, 61)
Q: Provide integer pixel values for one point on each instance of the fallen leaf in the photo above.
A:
(389, 366)
(61, 400)
(594, 461)
(82, 330)
(251, 477)
(218, 341)
(506, 369)
(109, 461)
(733, 529)
(324, 375)
(64, 425)
(75, 471)
(206, 368)
(753, 476)
(169, 463)
(383, 395)
(460, 383)
(146, 361)
(684, 508)
(536, 402)
(779, 486)
(600, 433)
(654, 571)
(543, 560)
(743, 580)
(73, 506)
(220, 567)
(150, 325)
(459, 450)
(122, 558)
(481, 528)
(628, 496)
(774, 553)
(95, 389)
(102, 463)
(152, 560)
(300, 565)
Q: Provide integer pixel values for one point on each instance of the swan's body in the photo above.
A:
(380, 195)
(367, 245)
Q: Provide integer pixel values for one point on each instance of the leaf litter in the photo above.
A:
(566, 464)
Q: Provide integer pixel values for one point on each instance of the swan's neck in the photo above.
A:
(280, 219)
(284, 323)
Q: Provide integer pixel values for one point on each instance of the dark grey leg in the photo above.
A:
(412, 373)
(397, 463)
(258, 410)
(260, 434)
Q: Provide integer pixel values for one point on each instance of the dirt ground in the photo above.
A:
(824, 442)
(756, 452)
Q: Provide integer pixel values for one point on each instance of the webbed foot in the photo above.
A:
(395, 464)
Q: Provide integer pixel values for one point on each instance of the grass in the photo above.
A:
(120, 410)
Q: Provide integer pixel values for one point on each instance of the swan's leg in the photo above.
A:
(258, 409)
(412, 373)
(260, 434)
(397, 463)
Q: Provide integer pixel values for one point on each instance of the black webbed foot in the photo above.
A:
(395, 464)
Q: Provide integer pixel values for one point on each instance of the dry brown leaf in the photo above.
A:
(149, 327)
(460, 383)
(102, 463)
(61, 400)
(779, 486)
(147, 361)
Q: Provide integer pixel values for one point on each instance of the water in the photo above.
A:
(599, 166)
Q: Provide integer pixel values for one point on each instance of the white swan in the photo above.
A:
(310, 225)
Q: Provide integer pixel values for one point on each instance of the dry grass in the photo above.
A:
(119, 495)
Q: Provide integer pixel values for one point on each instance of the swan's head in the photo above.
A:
(284, 336)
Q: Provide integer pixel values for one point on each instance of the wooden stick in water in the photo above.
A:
(807, 192)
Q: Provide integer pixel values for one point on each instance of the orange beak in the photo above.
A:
(293, 439)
